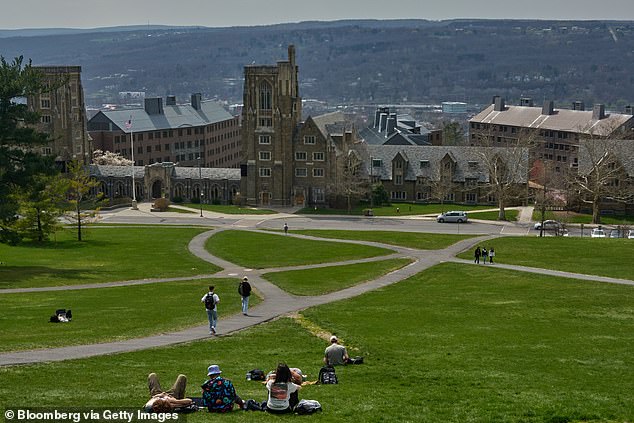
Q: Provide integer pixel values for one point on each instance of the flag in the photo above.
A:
(128, 124)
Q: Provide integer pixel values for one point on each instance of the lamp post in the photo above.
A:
(371, 182)
(200, 187)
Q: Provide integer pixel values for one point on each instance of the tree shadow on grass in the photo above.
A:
(16, 276)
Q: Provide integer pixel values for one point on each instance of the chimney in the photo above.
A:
(154, 106)
(170, 100)
(347, 137)
(495, 97)
(382, 122)
(498, 106)
(377, 117)
(196, 99)
(629, 110)
(578, 105)
(526, 101)
(548, 108)
(598, 112)
(391, 125)
(291, 54)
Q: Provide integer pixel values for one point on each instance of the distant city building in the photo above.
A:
(390, 128)
(200, 133)
(452, 107)
(555, 132)
(62, 114)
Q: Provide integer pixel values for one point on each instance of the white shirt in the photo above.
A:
(279, 394)
(216, 299)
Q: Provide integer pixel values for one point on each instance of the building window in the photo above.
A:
(46, 104)
(318, 195)
(167, 147)
(449, 197)
(148, 149)
(47, 151)
(318, 172)
(301, 172)
(398, 195)
(45, 119)
(265, 96)
(266, 122)
(424, 164)
(471, 197)
(300, 155)
(264, 139)
(139, 137)
(398, 180)
(377, 162)
(318, 157)
(265, 172)
(265, 155)
(472, 164)
(309, 139)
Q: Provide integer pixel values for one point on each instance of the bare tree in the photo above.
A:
(604, 173)
(506, 162)
(348, 182)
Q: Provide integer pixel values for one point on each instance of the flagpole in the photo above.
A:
(134, 203)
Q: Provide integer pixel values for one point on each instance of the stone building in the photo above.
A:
(555, 133)
(62, 114)
(200, 133)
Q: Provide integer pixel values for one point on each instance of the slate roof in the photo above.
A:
(576, 121)
(178, 172)
(404, 135)
(433, 155)
(173, 117)
(334, 123)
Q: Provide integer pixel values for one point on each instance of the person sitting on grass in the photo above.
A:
(166, 401)
(335, 354)
(219, 394)
(283, 393)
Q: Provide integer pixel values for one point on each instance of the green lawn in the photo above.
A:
(227, 209)
(323, 280)
(261, 250)
(570, 217)
(605, 257)
(511, 215)
(456, 343)
(106, 254)
(108, 314)
(418, 240)
(395, 209)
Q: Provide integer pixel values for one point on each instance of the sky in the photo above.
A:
(16, 14)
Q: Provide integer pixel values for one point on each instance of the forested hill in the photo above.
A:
(365, 61)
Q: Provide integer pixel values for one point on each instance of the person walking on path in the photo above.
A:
(244, 289)
(285, 228)
(485, 254)
(477, 255)
(491, 255)
(211, 300)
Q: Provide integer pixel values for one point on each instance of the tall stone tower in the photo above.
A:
(63, 114)
(271, 113)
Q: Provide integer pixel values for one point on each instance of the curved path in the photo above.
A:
(276, 302)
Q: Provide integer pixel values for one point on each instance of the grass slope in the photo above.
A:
(106, 254)
(260, 250)
(323, 280)
(605, 257)
(453, 344)
(109, 314)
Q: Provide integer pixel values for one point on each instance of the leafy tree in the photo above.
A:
(79, 186)
(452, 133)
(109, 158)
(19, 162)
(41, 206)
(379, 195)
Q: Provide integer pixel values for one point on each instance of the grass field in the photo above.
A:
(511, 215)
(261, 250)
(106, 254)
(227, 209)
(395, 209)
(109, 314)
(323, 280)
(605, 257)
(418, 240)
(456, 343)
(571, 217)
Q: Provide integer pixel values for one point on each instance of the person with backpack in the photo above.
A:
(210, 300)
(335, 354)
(219, 394)
(283, 393)
(244, 289)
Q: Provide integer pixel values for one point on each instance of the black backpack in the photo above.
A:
(210, 303)
(327, 376)
(257, 374)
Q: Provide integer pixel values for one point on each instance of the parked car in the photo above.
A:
(615, 233)
(597, 233)
(452, 217)
(549, 225)
(630, 234)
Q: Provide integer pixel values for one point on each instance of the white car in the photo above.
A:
(452, 217)
(630, 234)
(597, 233)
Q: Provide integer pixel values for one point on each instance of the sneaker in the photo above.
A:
(213, 331)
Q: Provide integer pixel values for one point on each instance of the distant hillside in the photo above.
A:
(365, 61)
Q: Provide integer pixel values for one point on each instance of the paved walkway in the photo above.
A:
(276, 302)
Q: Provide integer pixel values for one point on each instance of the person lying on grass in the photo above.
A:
(166, 401)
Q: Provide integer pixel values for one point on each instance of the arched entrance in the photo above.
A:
(157, 189)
